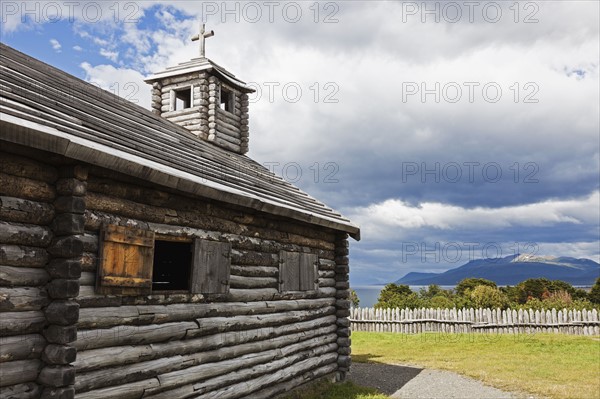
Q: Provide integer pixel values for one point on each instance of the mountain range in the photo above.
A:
(512, 270)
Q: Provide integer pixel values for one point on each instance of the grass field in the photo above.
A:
(545, 365)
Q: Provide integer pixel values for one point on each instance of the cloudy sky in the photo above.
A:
(447, 130)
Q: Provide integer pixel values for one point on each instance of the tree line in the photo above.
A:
(535, 293)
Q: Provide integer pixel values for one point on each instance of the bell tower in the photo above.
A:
(204, 98)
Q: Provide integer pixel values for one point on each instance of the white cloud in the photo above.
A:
(111, 55)
(383, 220)
(55, 45)
(124, 82)
(77, 48)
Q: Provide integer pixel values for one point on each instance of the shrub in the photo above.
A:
(484, 296)
(469, 284)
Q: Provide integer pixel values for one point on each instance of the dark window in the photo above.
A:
(183, 98)
(226, 100)
(172, 264)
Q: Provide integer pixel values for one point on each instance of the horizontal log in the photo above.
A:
(326, 371)
(257, 377)
(14, 276)
(227, 116)
(130, 335)
(25, 188)
(194, 224)
(132, 390)
(20, 347)
(253, 282)
(270, 361)
(326, 282)
(325, 264)
(18, 255)
(20, 166)
(24, 234)
(88, 298)
(28, 390)
(107, 357)
(89, 262)
(213, 325)
(24, 211)
(90, 242)
(12, 323)
(148, 369)
(95, 220)
(87, 278)
(326, 274)
(253, 258)
(19, 371)
(105, 317)
(254, 271)
(22, 299)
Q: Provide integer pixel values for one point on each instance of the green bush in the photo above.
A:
(484, 296)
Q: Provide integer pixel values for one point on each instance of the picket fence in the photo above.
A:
(509, 321)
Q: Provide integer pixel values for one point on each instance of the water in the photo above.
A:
(368, 294)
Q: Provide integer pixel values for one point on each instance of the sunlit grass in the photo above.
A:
(328, 390)
(546, 365)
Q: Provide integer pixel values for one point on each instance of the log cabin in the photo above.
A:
(143, 255)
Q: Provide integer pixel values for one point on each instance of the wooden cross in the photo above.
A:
(202, 36)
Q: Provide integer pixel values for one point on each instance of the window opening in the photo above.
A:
(172, 265)
(183, 98)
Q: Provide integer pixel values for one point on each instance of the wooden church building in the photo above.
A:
(143, 255)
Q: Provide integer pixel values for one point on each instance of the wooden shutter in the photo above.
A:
(125, 264)
(211, 264)
(289, 277)
(297, 271)
(308, 272)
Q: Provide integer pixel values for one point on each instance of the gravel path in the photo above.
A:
(403, 382)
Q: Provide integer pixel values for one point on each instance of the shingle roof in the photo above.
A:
(197, 65)
(46, 108)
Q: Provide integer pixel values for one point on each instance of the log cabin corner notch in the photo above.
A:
(99, 198)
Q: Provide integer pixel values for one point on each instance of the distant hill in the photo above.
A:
(512, 270)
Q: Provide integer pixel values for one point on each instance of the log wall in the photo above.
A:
(59, 338)
(27, 193)
(179, 345)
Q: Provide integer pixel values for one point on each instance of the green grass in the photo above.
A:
(329, 390)
(547, 365)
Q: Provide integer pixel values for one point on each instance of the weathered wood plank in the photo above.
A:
(12, 323)
(117, 375)
(246, 362)
(24, 211)
(253, 282)
(28, 390)
(19, 371)
(25, 188)
(18, 255)
(156, 314)
(129, 335)
(20, 347)
(254, 271)
(220, 324)
(257, 377)
(93, 359)
(22, 299)
(133, 390)
(20, 166)
(14, 276)
(23, 234)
